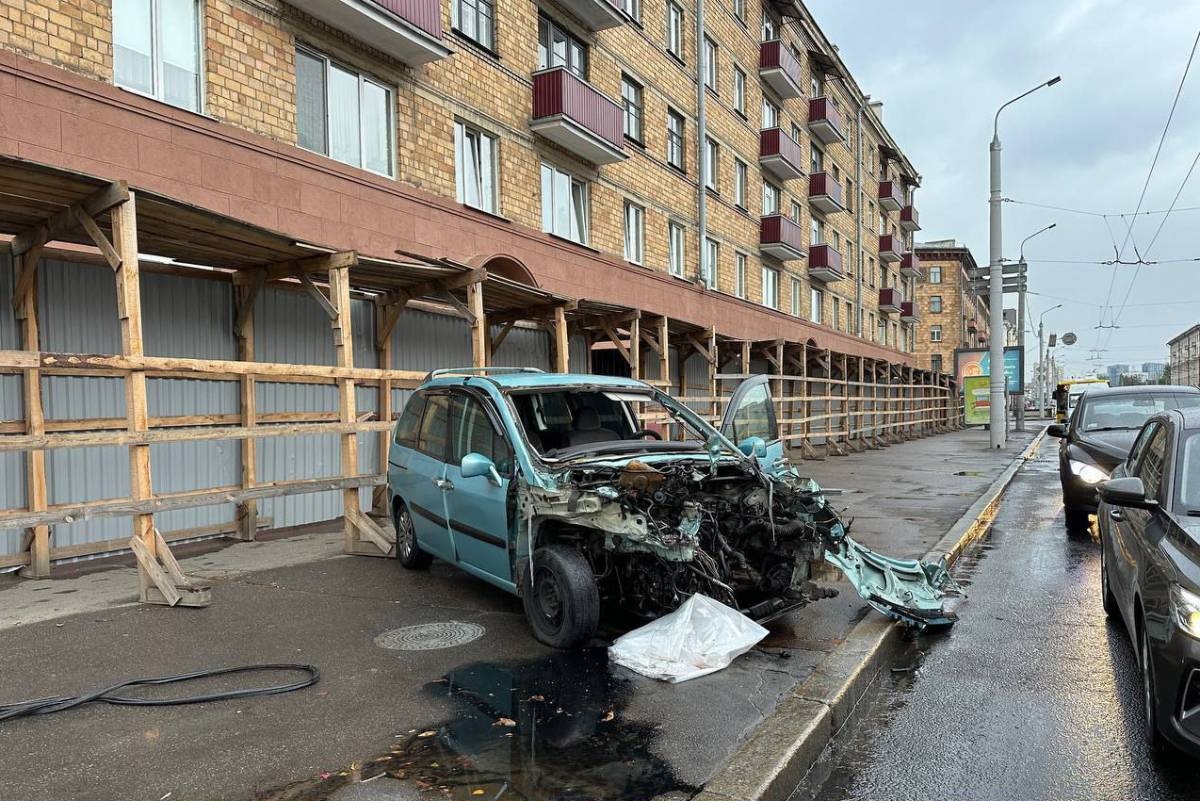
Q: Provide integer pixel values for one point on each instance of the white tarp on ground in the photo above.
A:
(700, 637)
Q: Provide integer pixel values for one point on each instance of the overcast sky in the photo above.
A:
(942, 67)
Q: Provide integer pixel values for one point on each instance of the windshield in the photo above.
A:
(1187, 477)
(564, 421)
(1122, 411)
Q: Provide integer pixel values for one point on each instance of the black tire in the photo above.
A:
(562, 602)
(1149, 693)
(1077, 519)
(1107, 599)
(408, 552)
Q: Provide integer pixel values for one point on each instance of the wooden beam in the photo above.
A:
(278, 271)
(318, 295)
(664, 351)
(247, 511)
(387, 317)
(449, 282)
(616, 340)
(479, 330)
(702, 347)
(467, 312)
(35, 423)
(68, 362)
(95, 204)
(88, 224)
(498, 339)
(383, 356)
(343, 342)
(562, 342)
(650, 339)
(247, 295)
(635, 348)
(533, 313)
(26, 277)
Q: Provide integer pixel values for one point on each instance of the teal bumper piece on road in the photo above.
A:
(907, 590)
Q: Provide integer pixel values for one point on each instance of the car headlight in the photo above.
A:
(1088, 473)
(1187, 609)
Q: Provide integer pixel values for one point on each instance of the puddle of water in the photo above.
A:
(551, 729)
(979, 473)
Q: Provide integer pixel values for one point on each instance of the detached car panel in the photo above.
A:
(575, 491)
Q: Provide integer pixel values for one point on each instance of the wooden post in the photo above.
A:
(35, 422)
(247, 511)
(635, 348)
(562, 341)
(383, 352)
(479, 330)
(664, 356)
(343, 343)
(714, 366)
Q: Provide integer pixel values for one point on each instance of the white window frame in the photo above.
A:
(676, 248)
(578, 217)
(770, 287)
(633, 105)
(739, 182)
(770, 114)
(796, 289)
(635, 233)
(156, 60)
(480, 9)
(739, 90)
(739, 274)
(676, 141)
(816, 159)
(675, 25)
(633, 8)
(712, 164)
(772, 197)
(935, 275)
(837, 314)
(711, 66)
(363, 79)
(739, 10)
(770, 28)
(935, 304)
(711, 262)
(486, 173)
(935, 333)
(816, 230)
(816, 302)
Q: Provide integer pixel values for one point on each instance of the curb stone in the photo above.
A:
(779, 753)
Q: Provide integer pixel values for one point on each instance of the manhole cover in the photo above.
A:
(429, 636)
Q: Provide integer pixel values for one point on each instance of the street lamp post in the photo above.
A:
(1043, 368)
(998, 418)
(1021, 278)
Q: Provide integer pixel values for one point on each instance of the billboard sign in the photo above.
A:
(970, 362)
(977, 400)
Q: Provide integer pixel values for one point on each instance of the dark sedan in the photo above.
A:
(1150, 569)
(1099, 434)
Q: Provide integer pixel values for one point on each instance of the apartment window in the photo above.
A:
(631, 99)
(712, 159)
(708, 270)
(870, 217)
(818, 231)
(816, 160)
(635, 233)
(817, 300)
(675, 248)
(770, 199)
(849, 317)
(770, 287)
(935, 275)
(770, 28)
(871, 323)
(770, 114)
(883, 277)
(633, 8)
(837, 319)
(935, 333)
(343, 114)
(795, 297)
(675, 30)
(849, 197)
(935, 362)
(156, 49)
(739, 183)
(564, 204)
(883, 222)
(797, 134)
(883, 332)
(710, 63)
(739, 90)
(871, 271)
(935, 304)
(475, 167)
(739, 274)
(475, 19)
(796, 211)
(558, 48)
(675, 139)
(739, 9)
(816, 85)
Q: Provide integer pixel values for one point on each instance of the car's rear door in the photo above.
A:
(478, 506)
(751, 413)
(424, 476)
(1138, 531)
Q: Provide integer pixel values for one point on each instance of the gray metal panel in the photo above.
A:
(577, 348)
(12, 465)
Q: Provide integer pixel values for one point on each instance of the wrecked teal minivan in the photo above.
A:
(623, 497)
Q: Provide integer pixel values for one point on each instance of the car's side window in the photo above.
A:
(410, 421)
(1138, 444)
(752, 418)
(473, 432)
(1153, 462)
(435, 427)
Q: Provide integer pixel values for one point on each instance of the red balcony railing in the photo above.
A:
(781, 237)
(824, 119)
(908, 312)
(780, 153)
(890, 247)
(909, 220)
(891, 195)
(780, 69)
(890, 299)
(409, 30)
(571, 112)
(824, 193)
(825, 263)
(910, 265)
(425, 14)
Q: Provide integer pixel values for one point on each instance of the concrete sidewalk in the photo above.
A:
(578, 727)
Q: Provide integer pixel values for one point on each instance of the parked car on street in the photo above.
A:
(622, 495)
(1098, 435)
(1150, 569)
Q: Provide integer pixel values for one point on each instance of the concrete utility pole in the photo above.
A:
(1043, 368)
(998, 418)
(1022, 269)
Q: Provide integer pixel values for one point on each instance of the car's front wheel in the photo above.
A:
(562, 602)
(408, 552)
(1077, 519)
(1150, 693)
(1107, 599)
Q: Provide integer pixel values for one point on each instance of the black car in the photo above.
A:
(1150, 569)
(1099, 434)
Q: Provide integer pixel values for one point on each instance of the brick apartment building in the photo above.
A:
(1185, 357)
(565, 137)
(950, 316)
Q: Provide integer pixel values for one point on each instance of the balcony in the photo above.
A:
(910, 266)
(824, 120)
(908, 312)
(781, 237)
(779, 69)
(824, 193)
(825, 264)
(596, 15)
(410, 30)
(889, 300)
(780, 154)
(568, 111)
(891, 196)
(908, 219)
(890, 248)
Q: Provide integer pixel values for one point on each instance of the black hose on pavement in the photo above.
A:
(45, 706)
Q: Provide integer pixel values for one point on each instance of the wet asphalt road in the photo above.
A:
(1032, 695)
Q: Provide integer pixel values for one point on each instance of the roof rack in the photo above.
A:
(481, 371)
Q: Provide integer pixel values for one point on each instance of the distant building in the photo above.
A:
(1011, 330)
(1185, 357)
(949, 315)
(1115, 371)
(1154, 369)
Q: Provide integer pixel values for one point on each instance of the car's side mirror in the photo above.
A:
(476, 464)
(1057, 430)
(753, 446)
(1128, 491)
(714, 446)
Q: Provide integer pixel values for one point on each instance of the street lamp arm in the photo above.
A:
(996, 120)
(1031, 236)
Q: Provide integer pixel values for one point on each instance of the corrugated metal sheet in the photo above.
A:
(12, 465)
